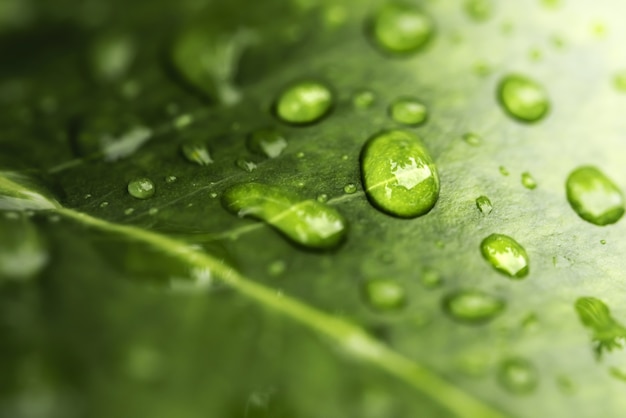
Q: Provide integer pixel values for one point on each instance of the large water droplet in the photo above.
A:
(142, 188)
(23, 253)
(304, 102)
(408, 111)
(399, 176)
(472, 306)
(306, 222)
(484, 205)
(518, 376)
(505, 255)
(267, 141)
(385, 294)
(608, 334)
(523, 98)
(594, 197)
(197, 153)
(399, 28)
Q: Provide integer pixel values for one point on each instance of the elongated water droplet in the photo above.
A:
(385, 294)
(308, 223)
(505, 255)
(607, 333)
(528, 181)
(484, 205)
(304, 102)
(594, 197)
(472, 139)
(23, 252)
(523, 98)
(20, 193)
(141, 188)
(408, 111)
(197, 153)
(472, 306)
(518, 376)
(401, 29)
(479, 10)
(268, 142)
(399, 176)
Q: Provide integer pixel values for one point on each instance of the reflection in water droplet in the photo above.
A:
(142, 188)
(518, 376)
(304, 102)
(399, 28)
(197, 153)
(608, 334)
(528, 181)
(384, 294)
(505, 255)
(472, 306)
(523, 98)
(308, 223)
(484, 205)
(594, 197)
(363, 99)
(399, 176)
(408, 111)
(268, 142)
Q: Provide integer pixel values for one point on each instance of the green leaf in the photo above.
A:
(169, 305)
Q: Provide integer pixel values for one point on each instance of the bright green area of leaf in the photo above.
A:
(112, 327)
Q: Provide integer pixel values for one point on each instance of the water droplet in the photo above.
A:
(503, 170)
(472, 306)
(300, 154)
(385, 295)
(479, 10)
(183, 121)
(23, 252)
(408, 111)
(277, 268)
(472, 139)
(607, 333)
(518, 376)
(304, 102)
(523, 98)
(129, 211)
(268, 142)
(528, 181)
(619, 81)
(350, 188)
(170, 179)
(308, 223)
(142, 188)
(213, 195)
(594, 197)
(153, 211)
(245, 164)
(87, 196)
(322, 198)
(505, 255)
(484, 205)
(401, 29)
(197, 153)
(399, 176)
(431, 279)
(603, 241)
(363, 99)
(104, 204)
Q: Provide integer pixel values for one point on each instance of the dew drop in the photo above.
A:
(322, 198)
(472, 306)
(349, 188)
(399, 176)
(268, 142)
(363, 99)
(523, 98)
(431, 279)
(517, 376)
(472, 139)
(308, 223)
(479, 10)
(594, 197)
(170, 179)
(129, 211)
(304, 102)
(401, 29)
(153, 211)
(384, 295)
(505, 255)
(528, 181)
(142, 188)
(104, 204)
(246, 165)
(484, 205)
(197, 153)
(183, 121)
(408, 111)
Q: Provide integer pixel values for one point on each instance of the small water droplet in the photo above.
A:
(142, 188)
(399, 176)
(518, 376)
(246, 165)
(87, 196)
(408, 111)
(401, 29)
(528, 181)
(304, 102)
(472, 306)
(213, 195)
(363, 99)
(384, 295)
(350, 188)
(153, 211)
(183, 121)
(603, 241)
(619, 81)
(472, 139)
(268, 142)
(129, 211)
(308, 223)
(300, 154)
(431, 279)
(484, 205)
(479, 10)
(523, 98)
(322, 198)
(197, 153)
(505, 255)
(170, 179)
(104, 204)
(607, 333)
(503, 170)
(594, 197)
